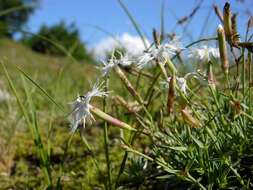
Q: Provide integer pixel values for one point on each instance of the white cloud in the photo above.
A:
(132, 44)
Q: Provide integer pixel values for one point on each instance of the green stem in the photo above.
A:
(132, 90)
(106, 145)
(85, 142)
(249, 65)
(43, 156)
(33, 128)
(243, 82)
(228, 84)
(65, 152)
(161, 163)
(213, 91)
(247, 115)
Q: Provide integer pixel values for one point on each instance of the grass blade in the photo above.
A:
(135, 24)
(162, 20)
(14, 9)
(33, 128)
(41, 89)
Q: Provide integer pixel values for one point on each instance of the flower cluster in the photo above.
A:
(123, 61)
(161, 53)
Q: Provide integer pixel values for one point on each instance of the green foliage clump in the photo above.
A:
(51, 40)
(13, 15)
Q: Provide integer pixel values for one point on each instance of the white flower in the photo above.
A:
(113, 61)
(161, 53)
(144, 59)
(181, 82)
(204, 53)
(108, 66)
(125, 60)
(81, 106)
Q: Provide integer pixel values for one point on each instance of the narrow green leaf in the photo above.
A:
(41, 89)
(14, 9)
(162, 20)
(178, 148)
(135, 24)
(209, 131)
(21, 106)
(198, 142)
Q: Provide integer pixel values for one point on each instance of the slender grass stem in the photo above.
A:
(66, 147)
(106, 140)
(132, 90)
(214, 94)
(249, 82)
(85, 142)
(243, 82)
(135, 24)
(45, 164)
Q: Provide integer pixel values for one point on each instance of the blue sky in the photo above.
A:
(108, 15)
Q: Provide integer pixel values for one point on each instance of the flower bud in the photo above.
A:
(110, 119)
(235, 35)
(223, 49)
(236, 105)
(132, 107)
(227, 21)
(156, 37)
(128, 84)
(189, 119)
(211, 80)
(171, 95)
(218, 12)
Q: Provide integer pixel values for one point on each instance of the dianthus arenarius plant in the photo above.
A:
(198, 125)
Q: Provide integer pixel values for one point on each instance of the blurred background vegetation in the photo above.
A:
(13, 17)
(14, 14)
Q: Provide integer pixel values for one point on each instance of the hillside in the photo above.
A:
(63, 80)
(15, 53)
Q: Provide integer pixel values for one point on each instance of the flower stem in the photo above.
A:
(128, 85)
(85, 142)
(106, 146)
